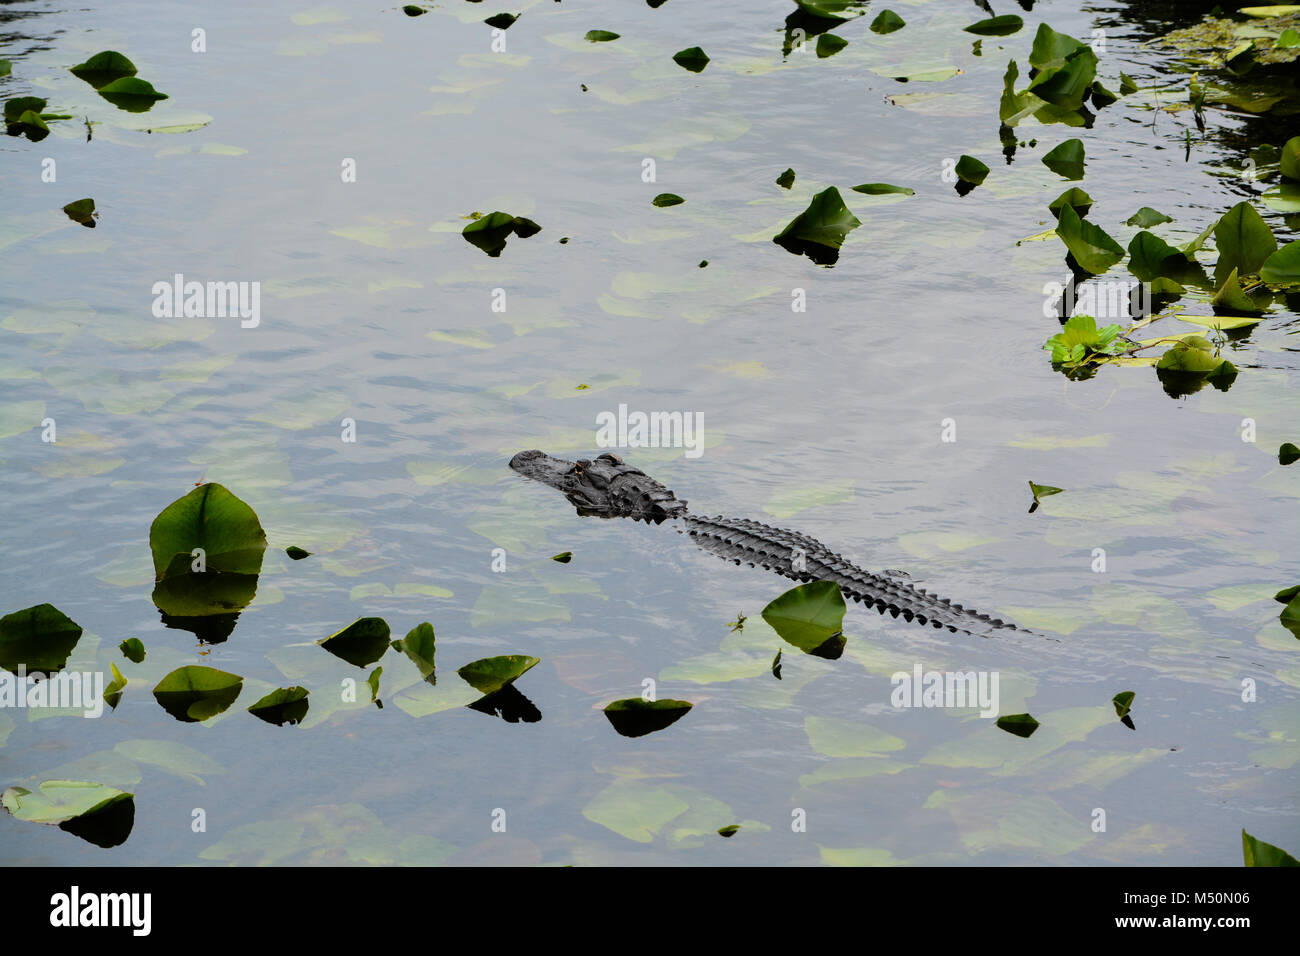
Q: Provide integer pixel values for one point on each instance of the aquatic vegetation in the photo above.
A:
(635, 717)
(692, 58)
(820, 230)
(133, 650)
(491, 674)
(1021, 725)
(194, 693)
(284, 705)
(811, 617)
(490, 232)
(82, 211)
(887, 21)
(361, 643)
(667, 199)
(1259, 853)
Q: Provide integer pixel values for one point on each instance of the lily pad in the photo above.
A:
(819, 231)
(39, 638)
(1123, 702)
(692, 58)
(1001, 26)
(501, 21)
(285, 705)
(887, 21)
(1073, 197)
(213, 519)
(297, 553)
(1043, 491)
(103, 68)
(132, 94)
(971, 170)
(564, 557)
(831, 9)
(1146, 217)
(1092, 247)
(360, 643)
(1244, 241)
(634, 717)
(490, 674)
(730, 830)
(1051, 49)
(1287, 453)
(1066, 159)
(419, 646)
(883, 189)
(808, 616)
(113, 692)
(99, 814)
(1022, 725)
(786, 179)
(1259, 853)
(193, 693)
(82, 211)
(1282, 267)
(133, 650)
(828, 44)
(667, 199)
(600, 36)
(490, 232)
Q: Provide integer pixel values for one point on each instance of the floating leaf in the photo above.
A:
(38, 638)
(97, 813)
(502, 21)
(809, 616)
(1051, 49)
(1093, 249)
(564, 557)
(600, 36)
(1001, 26)
(419, 646)
(1075, 198)
(971, 170)
(887, 21)
(786, 179)
(1193, 354)
(193, 693)
(490, 232)
(103, 68)
(776, 665)
(1259, 853)
(360, 643)
(133, 650)
(1288, 162)
(1067, 86)
(296, 552)
(1150, 258)
(132, 94)
(82, 211)
(1244, 242)
(286, 705)
(373, 681)
(1067, 159)
(113, 692)
(214, 520)
(667, 199)
(692, 58)
(1287, 453)
(1043, 491)
(6, 67)
(491, 674)
(730, 830)
(634, 717)
(1123, 702)
(831, 9)
(1282, 267)
(1146, 217)
(819, 231)
(1022, 725)
(1127, 85)
(883, 189)
(828, 44)
(411, 10)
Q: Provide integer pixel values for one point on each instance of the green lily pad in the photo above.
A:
(634, 717)
(1289, 160)
(828, 44)
(1068, 85)
(419, 646)
(887, 21)
(730, 830)
(1259, 853)
(113, 692)
(491, 674)
(133, 650)
(1192, 355)
(411, 10)
(1022, 725)
(502, 21)
(1282, 267)
(1287, 453)
(819, 231)
(56, 802)
(285, 705)
(1001, 26)
(786, 179)
(211, 518)
(297, 553)
(1051, 49)
(373, 681)
(692, 58)
(490, 232)
(193, 693)
(39, 638)
(883, 189)
(564, 557)
(132, 94)
(27, 123)
(1123, 702)
(1043, 491)
(808, 616)
(831, 9)
(667, 199)
(1151, 258)
(1075, 198)
(103, 68)
(6, 67)
(1284, 197)
(971, 170)
(1146, 217)
(360, 643)
(1066, 159)
(18, 105)
(1092, 247)
(600, 36)
(82, 211)
(1244, 242)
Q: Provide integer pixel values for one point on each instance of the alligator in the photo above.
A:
(608, 487)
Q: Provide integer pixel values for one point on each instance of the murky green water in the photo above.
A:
(828, 421)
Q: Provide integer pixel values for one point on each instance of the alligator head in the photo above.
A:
(605, 486)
